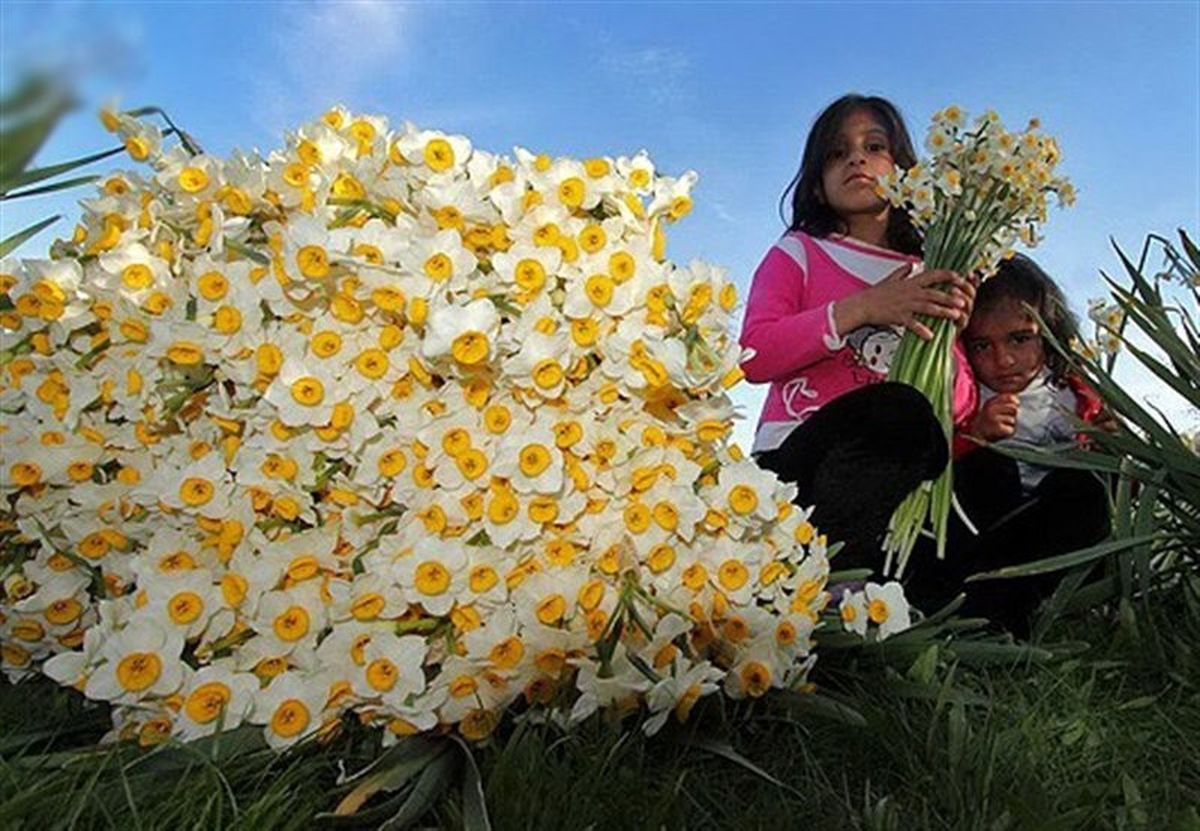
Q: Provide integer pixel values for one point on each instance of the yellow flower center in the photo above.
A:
(207, 701)
(622, 266)
(138, 670)
(292, 624)
(195, 491)
(372, 364)
(185, 607)
(462, 686)
(877, 611)
(63, 611)
(733, 575)
(439, 155)
(508, 653)
(193, 179)
(497, 418)
(313, 262)
(392, 463)
(743, 499)
(368, 607)
(137, 276)
(25, 474)
(472, 464)
(382, 674)
(599, 289)
(571, 192)
(432, 578)
(534, 458)
(530, 275)
(637, 518)
(290, 718)
(185, 353)
(756, 678)
(483, 578)
(439, 267)
(326, 344)
(470, 348)
(551, 609)
(547, 374)
(308, 391)
(227, 320)
(234, 588)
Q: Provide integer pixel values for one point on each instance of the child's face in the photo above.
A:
(861, 153)
(1004, 345)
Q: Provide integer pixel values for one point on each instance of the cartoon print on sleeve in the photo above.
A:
(870, 351)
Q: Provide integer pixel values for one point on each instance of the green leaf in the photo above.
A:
(726, 751)
(1062, 561)
(18, 239)
(823, 706)
(53, 186)
(38, 174)
(33, 91)
(924, 669)
(391, 771)
(435, 779)
(474, 805)
(19, 144)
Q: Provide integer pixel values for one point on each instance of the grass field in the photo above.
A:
(1101, 729)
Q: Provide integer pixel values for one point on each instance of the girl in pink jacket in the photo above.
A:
(826, 310)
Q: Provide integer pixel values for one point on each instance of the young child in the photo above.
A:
(1023, 511)
(826, 310)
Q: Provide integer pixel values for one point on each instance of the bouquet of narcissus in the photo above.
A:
(385, 424)
(982, 190)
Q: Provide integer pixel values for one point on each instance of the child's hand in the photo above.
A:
(997, 418)
(898, 299)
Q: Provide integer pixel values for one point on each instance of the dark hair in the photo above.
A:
(1020, 279)
(810, 212)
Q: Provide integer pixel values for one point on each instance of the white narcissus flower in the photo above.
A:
(304, 393)
(888, 608)
(466, 334)
(853, 610)
(215, 698)
(678, 694)
(436, 151)
(141, 661)
(292, 707)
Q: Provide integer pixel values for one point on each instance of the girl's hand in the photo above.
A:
(997, 418)
(899, 298)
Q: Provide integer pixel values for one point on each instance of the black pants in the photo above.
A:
(1067, 511)
(856, 459)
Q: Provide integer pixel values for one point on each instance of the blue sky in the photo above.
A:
(728, 90)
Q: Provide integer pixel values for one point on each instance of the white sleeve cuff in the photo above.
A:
(833, 341)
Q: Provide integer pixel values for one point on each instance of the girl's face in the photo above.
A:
(860, 153)
(1004, 345)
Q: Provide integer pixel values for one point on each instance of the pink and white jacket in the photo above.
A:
(795, 346)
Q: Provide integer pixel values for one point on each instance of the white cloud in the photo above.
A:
(658, 72)
(325, 53)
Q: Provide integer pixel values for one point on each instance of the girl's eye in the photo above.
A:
(877, 147)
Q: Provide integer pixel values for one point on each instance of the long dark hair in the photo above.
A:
(810, 212)
(1022, 280)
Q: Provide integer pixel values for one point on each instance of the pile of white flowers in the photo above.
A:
(388, 424)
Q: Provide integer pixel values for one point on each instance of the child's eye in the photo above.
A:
(877, 147)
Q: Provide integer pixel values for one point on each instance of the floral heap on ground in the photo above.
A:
(384, 423)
